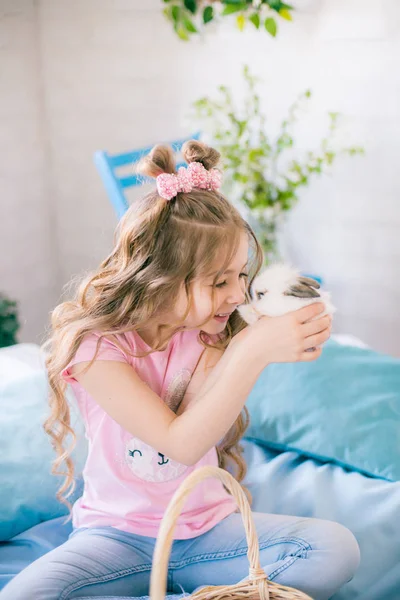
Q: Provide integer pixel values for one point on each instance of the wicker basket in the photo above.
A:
(256, 587)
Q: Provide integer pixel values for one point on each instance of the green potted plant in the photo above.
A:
(191, 16)
(262, 175)
(9, 323)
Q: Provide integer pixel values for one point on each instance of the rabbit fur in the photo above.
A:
(280, 289)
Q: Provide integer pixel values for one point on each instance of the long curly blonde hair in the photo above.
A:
(158, 245)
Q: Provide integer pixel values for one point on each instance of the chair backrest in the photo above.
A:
(115, 184)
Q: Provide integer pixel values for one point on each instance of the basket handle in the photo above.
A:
(162, 550)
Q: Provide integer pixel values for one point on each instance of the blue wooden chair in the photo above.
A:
(115, 184)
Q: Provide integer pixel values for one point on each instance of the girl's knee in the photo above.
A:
(341, 551)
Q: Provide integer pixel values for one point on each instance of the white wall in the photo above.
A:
(28, 254)
(80, 75)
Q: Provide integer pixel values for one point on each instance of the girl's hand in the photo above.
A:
(286, 338)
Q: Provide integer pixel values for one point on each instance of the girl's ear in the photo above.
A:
(248, 313)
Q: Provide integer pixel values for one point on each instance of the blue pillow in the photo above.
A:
(342, 408)
(28, 489)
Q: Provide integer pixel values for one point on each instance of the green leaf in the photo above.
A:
(176, 13)
(285, 14)
(241, 127)
(330, 156)
(233, 8)
(275, 4)
(208, 14)
(255, 153)
(167, 12)
(189, 25)
(191, 5)
(270, 26)
(241, 22)
(356, 150)
(182, 33)
(255, 19)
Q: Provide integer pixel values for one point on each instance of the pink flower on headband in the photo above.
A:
(194, 176)
(184, 179)
(168, 185)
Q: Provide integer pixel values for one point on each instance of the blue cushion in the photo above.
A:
(342, 408)
(28, 490)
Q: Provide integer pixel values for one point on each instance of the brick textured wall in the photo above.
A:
(80, 75)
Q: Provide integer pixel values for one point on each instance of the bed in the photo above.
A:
(281, 481)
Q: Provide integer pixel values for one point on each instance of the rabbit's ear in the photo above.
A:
(300, 290)
(309, 281)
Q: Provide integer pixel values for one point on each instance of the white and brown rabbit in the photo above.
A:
(280, 289)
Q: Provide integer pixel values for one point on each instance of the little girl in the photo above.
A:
(161, 365)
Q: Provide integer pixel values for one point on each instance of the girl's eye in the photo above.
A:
(223, 283)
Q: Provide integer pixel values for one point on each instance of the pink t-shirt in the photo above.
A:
(128, 484)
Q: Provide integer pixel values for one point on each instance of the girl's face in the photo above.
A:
(229, 292)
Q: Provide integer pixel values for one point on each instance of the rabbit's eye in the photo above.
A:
(260, 295)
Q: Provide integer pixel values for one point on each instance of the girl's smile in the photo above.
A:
(222, 318)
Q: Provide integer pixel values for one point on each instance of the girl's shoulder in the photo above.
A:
(108, 345)
(183, 348)
(96, 345)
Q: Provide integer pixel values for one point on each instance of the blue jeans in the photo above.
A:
(315, 556)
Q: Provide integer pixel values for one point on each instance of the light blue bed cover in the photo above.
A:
(288, 484)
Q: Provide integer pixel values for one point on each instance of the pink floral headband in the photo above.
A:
(194, 176)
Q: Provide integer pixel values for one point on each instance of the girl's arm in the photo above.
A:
(187, 437)
(207, 362)
(184, 437)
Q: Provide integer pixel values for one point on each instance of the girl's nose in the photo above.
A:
(237, 296)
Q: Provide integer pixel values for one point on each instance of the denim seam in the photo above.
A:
(170, 582)
(304, 547)
(301, 553)
(102, 579)
(288, 563)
